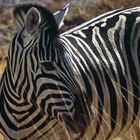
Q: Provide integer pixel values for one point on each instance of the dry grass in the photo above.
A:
(2, 67)
(1, 137)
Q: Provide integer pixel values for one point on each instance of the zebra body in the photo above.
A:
(86, 79)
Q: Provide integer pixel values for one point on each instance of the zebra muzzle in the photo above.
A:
(73, 125)
(79, 120)
(77, 123)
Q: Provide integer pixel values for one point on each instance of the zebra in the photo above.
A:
(80, 84)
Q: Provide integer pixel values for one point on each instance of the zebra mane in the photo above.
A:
(47, 17)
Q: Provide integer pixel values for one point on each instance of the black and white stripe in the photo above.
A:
(86, 79)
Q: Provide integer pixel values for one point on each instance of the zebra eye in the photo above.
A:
(47, 66)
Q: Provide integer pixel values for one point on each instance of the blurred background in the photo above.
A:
(80, 11)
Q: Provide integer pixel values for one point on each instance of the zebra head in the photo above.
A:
(42, 70)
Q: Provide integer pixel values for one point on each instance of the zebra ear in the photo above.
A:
(59, 15)
(32, 20)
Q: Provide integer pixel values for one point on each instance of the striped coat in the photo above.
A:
(81, 84)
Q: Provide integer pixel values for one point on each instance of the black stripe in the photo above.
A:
(113, 102)
(133, 73)
(4, 114)
(100, 102)
(50, 86)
